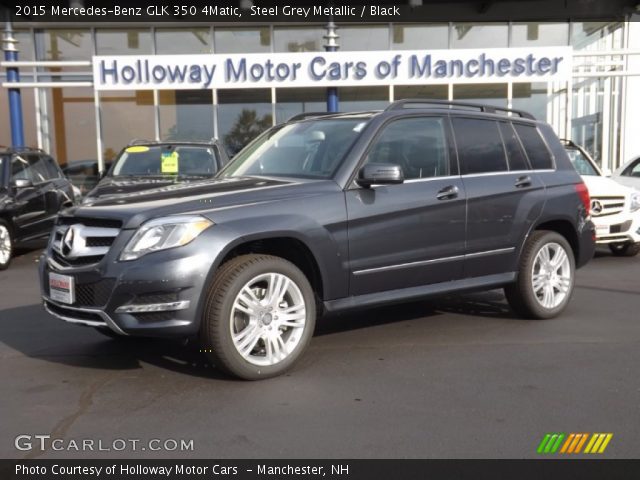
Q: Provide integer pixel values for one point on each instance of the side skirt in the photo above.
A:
(407, 294)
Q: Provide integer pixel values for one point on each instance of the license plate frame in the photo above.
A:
(62, 288)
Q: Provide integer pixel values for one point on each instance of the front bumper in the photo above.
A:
(620, 228)
(160, 294)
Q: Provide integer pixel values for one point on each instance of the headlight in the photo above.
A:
(163, 233)
(635, 201)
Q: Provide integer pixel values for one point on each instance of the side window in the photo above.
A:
(38, 168)
(480, 148)
(52, 168)
(417, 144)
(515, 155)
(20, 168)
(632, 170)
(537, 151)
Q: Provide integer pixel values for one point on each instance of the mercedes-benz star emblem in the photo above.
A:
(596, 207)
(67, 241)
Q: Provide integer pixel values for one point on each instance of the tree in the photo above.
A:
(247, 127)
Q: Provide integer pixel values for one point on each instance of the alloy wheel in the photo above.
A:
(268, 319)
(551, 275)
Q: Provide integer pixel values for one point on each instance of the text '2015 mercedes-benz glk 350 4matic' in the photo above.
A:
(328, 213)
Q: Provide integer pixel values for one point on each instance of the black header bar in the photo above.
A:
(305, 11)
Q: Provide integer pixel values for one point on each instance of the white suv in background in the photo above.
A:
(615, 208)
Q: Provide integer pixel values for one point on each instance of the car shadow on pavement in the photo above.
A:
(490, 304)
(34, 333)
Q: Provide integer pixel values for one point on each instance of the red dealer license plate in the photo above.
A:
(61, 288)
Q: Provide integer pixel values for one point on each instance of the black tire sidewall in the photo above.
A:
(232, 360)
(625, 250)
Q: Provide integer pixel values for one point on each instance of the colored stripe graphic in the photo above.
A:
(572, 443)
(598, 443)
(550, 443)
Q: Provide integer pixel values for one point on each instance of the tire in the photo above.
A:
(555, 282)
(625, 249)
(243, 331)
(6, 245)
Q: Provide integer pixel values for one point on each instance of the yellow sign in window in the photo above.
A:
(169, 162)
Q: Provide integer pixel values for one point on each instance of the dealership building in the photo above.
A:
(87, 89)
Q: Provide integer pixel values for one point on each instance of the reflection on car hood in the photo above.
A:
(603, 186)
(198, 196)
(117, 187)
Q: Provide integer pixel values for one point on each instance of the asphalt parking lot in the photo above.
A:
(455, 377)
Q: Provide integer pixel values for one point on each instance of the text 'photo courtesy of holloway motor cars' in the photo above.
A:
(323, 213)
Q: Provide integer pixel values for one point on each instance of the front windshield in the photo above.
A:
(166, 160)
(581, 163)
(311, 149)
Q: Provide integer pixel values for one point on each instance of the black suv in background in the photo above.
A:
(156, 166)
(327, 214)
(32, 191)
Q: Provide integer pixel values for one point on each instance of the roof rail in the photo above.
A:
(22, 149)
(305, 115)
(139, 141)
(400, 104)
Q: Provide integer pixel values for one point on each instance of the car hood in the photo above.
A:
(202, 196)
(115, 187)
(604, 187)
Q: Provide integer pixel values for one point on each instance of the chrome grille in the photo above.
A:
(603, 206)
(78, 244)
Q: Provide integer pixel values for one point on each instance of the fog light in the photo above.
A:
(154, 307)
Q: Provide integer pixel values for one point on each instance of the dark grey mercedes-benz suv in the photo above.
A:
(324, 214)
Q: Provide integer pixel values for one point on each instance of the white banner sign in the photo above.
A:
(324, 69)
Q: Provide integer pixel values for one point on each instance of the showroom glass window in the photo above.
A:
(298, 39)
(479, 144)
(120, 125)
(242, 115)
(242, 40)
(130, 41)
(487, 93)
(537, 34)
(419, 36)
(532, 98)
(175, 41)
(292, 101)
(186, 115)
(479, 35)
(369, 37)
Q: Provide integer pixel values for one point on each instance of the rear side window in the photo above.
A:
(480, 148)
(537, 151)
(515, 155)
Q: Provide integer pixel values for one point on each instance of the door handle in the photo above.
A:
(523, 181)
(448, 193)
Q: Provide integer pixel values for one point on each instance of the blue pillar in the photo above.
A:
(15, 102)
(332, 46)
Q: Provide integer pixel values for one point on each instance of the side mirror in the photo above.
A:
(21, 183)
(379, 174)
